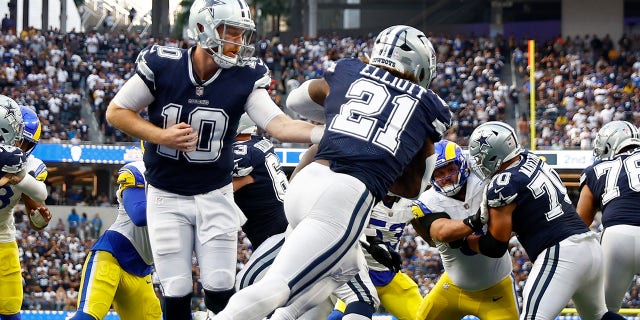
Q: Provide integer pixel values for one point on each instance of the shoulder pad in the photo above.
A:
(131, 175)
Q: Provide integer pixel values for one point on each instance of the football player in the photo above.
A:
(22, 177)
(381, 123)
(396, 291)
(471, 284)
(611, 184)
(195, 98)
(259, 184)
(118, 269)
(526, 196)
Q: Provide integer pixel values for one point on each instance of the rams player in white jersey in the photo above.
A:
(118, 269)
(397, 292)
(22, 177)
(472, 284)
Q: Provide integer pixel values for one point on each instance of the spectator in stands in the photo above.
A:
(73, 220)
(96, 226)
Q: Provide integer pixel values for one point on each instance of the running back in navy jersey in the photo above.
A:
(544, 214)
(378, 122)
(616, 185)
(262, 200)
(213, 108)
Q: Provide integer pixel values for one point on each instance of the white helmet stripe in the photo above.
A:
(390, 40)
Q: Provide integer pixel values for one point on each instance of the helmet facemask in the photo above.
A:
(210, 22)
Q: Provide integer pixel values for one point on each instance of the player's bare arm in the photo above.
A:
(586, 206)
(409, 183)
(239, 182)
(308, 99)
(283, 128)
(447, 230)
(306, 158)
(180, 136)
(500, 226)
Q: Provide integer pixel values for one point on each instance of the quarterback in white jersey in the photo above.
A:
(23, 177)
(472, 284)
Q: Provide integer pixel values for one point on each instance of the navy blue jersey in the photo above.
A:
(377, 122)
(262, 200)
(213, 108)
(615, 184)
(544, 214)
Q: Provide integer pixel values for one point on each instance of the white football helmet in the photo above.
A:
(613, 137)
(246, 126)
(207, 15)
(491, 144)
(11, 124)
(405, 48)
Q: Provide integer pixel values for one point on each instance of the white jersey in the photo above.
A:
(469, 271)
(138, 236)
(10, 195)
(389, 224)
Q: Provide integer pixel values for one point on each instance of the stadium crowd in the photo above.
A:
(582, 83)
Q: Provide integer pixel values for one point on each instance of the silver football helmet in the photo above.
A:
(405, 48)
(246, 126)
(11, 124)
(491, 144)
(208, 23)
(613, 137)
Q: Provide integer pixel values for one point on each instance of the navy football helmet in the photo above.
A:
(449, 152)
(32, 130)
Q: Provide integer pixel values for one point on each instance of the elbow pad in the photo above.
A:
(492, 247)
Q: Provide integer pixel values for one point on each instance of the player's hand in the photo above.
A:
(476, 221)
(383, 254)
(180, 137)
(39, 218)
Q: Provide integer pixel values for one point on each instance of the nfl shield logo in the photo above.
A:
(199, 91)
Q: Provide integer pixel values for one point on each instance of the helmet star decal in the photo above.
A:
(483, 142)
(213, 4)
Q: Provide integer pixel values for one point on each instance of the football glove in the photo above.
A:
(383, 254)
(476, 221)
(12, 160)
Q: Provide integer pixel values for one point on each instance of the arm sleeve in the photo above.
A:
(36, 190)
(260, 108)
(300, 101)
(135, 203)
(134, 95)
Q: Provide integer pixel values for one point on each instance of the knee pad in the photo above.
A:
(177, 286)
(219, 280)
(217, 300)
(10, 305)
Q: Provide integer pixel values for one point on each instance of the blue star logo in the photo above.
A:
(483, 142)
(213, 4)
